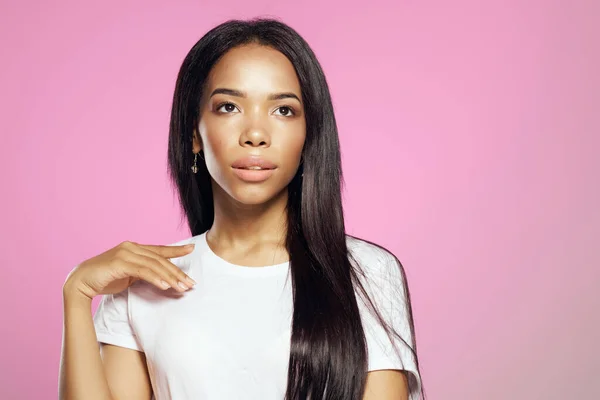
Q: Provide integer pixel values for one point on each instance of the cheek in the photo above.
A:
(293, 151)
(214, 144)
(218, 160)
(293, 144)
(216, 136)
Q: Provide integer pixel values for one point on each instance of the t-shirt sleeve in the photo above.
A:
(112, 321)
(386, 287)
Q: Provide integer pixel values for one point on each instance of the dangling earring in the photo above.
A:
(195, 166)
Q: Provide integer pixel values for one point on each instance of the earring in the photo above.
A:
(195, 166)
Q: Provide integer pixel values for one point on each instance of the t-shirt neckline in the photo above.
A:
(223, 265)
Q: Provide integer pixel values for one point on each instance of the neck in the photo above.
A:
(248, 225)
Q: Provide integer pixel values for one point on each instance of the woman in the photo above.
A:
(269, 298)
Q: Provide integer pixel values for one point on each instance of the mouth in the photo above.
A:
(256, 168)
(253, 174)
(253, 168)
(253, 162)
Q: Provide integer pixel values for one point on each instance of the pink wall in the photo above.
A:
(470, 138)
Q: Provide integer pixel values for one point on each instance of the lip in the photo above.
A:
(253, 161)
(253, 175)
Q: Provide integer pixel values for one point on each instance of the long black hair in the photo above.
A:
(328, 357)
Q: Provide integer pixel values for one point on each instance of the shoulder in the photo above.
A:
(386, 314)
(185, 240)
(374, 260)
(380, 277)
(185, 262)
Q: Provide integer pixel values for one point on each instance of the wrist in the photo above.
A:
(72, 291)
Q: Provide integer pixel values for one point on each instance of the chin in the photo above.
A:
(253, 195)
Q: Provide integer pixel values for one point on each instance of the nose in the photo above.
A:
(255, 137)
(255, 134)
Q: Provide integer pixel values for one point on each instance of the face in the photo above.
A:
(251, 110)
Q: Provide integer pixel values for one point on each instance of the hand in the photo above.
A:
(118, 268)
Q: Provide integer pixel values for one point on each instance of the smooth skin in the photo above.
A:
(251, 105)
(113, 373)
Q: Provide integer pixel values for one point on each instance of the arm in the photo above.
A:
(126, 372)
(85, 374)
(386, 385)
(392, 363)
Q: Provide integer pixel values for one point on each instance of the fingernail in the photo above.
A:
(190, 246)
(190, 280)
(183, 286)
(165, 284)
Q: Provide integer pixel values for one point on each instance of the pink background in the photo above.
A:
(469, 133)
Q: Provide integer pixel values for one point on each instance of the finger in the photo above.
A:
(172, 268)
(157, 251)
(140, 272)
(154, 263)
(169, 251)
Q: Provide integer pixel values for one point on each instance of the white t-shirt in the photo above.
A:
(229, 336)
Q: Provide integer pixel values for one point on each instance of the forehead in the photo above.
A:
(255, 69)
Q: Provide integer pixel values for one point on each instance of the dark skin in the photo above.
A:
(250, 218)
(249, 225)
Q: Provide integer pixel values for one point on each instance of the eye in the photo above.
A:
(229, 107)
(286, 111)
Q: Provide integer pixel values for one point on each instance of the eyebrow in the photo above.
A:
(238, 93)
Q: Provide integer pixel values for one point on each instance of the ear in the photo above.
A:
(197, 142)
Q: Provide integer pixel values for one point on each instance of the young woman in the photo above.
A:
(269, 298)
